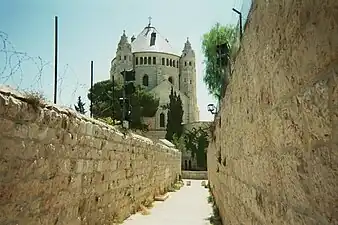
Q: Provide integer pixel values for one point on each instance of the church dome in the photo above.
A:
(150, 40)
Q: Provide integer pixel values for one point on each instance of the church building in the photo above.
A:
(158, 68)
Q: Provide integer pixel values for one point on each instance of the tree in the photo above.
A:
(214, 78)
(197, 141)
(175, 116)
(80, 106)
(179, 142)
(106, 103)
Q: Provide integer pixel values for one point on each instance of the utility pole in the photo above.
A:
(91, 87)
(56, 59)
(128, 90)
(124, 97)
(240, 22)
(113, 95)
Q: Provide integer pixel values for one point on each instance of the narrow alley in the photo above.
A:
(189, 205)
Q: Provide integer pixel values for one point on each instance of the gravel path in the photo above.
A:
(188, 206)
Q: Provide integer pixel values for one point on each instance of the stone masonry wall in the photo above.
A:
(274, 159)
(59, 167)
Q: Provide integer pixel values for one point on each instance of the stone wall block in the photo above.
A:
(282, 171)
(89, 129)
(7, 127)
(59, 167)
(116, 137)
(70, 139)
(3, 103)
(12, 106)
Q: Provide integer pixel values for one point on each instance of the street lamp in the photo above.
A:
(212, 109)
(240, 21)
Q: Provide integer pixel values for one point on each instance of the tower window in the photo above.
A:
(174, 61)
(136, 61)
(152, 39)
(185, 63)
(141, 60)
(149, 60)
(189, 63)
(167, 62)
(154, 60)
(170, 80)
(162, 120)
(171, 62)
(163, 62)
(145, 60)
(190, 82)
(145, 80)
(125, 57)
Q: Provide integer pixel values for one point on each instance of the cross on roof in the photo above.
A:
(149, 18)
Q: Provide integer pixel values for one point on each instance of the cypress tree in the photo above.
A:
(175, 114)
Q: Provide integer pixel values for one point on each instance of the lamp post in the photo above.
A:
(212, 109)
(240, 21)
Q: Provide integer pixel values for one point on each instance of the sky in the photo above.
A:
(90, 31)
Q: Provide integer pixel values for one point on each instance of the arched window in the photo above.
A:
(162, 120)
(145, 60)
(163, 61)
(136, 60)
(149, 60)
(145, 80)
(174, 63)
(171, 62)
(141, 60)
(167, 62)
(170, 79)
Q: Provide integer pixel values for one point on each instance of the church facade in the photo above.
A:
(158, 68)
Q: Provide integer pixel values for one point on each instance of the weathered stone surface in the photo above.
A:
(274, 159)
(58, 167)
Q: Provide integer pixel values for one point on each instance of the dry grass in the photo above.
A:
(144, 210)
(215, 218)
(35, 99)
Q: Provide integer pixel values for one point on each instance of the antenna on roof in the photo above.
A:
(149, 18)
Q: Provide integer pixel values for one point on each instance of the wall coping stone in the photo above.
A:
(16, 95)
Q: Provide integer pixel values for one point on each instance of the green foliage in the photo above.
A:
(107, 120)
(106, 103)
(179, 142)
(213, 77)
(175, 114)
(80, 106)
(197, 141)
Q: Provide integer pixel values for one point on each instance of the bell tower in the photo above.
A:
(123, 59)
(188, 81)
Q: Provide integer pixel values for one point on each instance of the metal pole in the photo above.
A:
(240, 26)
(56, 59)
(240, 22)
(91, 87)
(124, 96)
(113, 102)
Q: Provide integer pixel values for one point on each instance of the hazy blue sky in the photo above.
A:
(90, 30)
